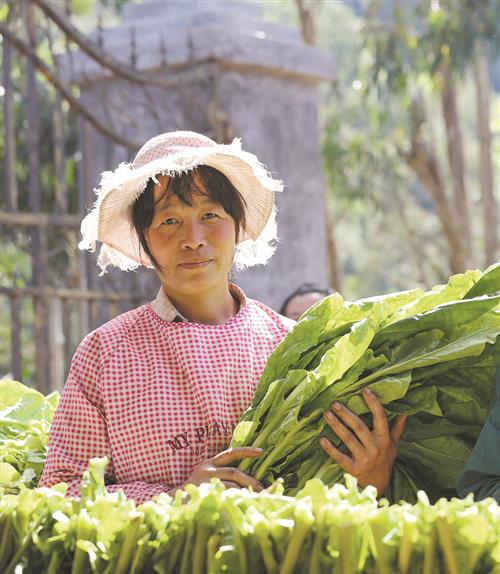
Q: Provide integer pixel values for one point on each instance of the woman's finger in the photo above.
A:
(359, 438)
(345, 462)
(231, 455)
(398, 427)
(232, 474)
(380, 422)
(229, 484)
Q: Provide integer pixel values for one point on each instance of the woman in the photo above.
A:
(159, 389)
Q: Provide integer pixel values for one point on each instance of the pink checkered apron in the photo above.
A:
(157, 397)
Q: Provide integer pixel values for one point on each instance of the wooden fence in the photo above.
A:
(51, 295)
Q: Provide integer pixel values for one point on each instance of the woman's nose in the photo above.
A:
(194, 236)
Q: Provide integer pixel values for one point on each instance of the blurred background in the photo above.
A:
(382, 117)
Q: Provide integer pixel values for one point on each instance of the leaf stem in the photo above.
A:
(275, 453)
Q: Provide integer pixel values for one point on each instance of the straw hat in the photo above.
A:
(171, 154)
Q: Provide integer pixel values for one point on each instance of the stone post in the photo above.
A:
(233, 75)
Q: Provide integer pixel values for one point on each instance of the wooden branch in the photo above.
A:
(75, 294)
(423, 163)
(29, 219)
(66, 91)
(96, 53)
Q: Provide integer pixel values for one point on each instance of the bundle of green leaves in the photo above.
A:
(25, 417)
(431, 355)
(208, 529)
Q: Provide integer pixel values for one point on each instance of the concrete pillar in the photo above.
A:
(233, 75)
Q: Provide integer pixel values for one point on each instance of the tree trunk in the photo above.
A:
(456, 159)
(306, 19)
(334, 266)
(414, 242)
(489, 204)
(422, 162)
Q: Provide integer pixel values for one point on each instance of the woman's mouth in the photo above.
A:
(195, 264)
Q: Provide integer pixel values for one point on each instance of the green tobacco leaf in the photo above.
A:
(242, 433)
(466, 386)
(462, 412)
(417, 429)
(8, 474)
(53, 399)
(488, 283)
(418, 399)
(387, 390)
(347, 350)
(335, 391)
(437, 462)
(303, 337)
(352, 312)
(350, 348)
(93, 479)
(469, 343)
(403, 485)
(454, 290)
(316, 354)
(444, 317)
(19, 403)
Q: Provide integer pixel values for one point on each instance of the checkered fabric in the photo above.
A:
(158, 397)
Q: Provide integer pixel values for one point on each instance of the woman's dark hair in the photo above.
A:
(304, 289)
(214, 185)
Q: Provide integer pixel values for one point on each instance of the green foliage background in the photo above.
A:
(367, 113)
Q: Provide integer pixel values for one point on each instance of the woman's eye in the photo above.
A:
(210, 215)
(169, 221)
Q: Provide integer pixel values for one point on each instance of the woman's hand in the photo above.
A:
(231, 477)
(373, 452)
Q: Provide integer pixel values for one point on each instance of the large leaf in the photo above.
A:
(436, 462)
(488, 283)
(300, 339)
(18, 402)
(454, 290)
(446, 316)
(416, 429)
(430, 348)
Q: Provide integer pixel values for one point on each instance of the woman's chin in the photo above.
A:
(196, 281)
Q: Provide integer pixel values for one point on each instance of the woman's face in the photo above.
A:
(194, 245)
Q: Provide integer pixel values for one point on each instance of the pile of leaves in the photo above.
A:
(210, 529)
(431, 355)
(25, 417)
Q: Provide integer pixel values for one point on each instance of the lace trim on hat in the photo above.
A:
(248, 253)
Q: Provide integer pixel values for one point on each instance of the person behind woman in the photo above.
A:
(159, 389)
(304, 297)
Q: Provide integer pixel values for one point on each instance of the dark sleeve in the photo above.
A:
(481, 474)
